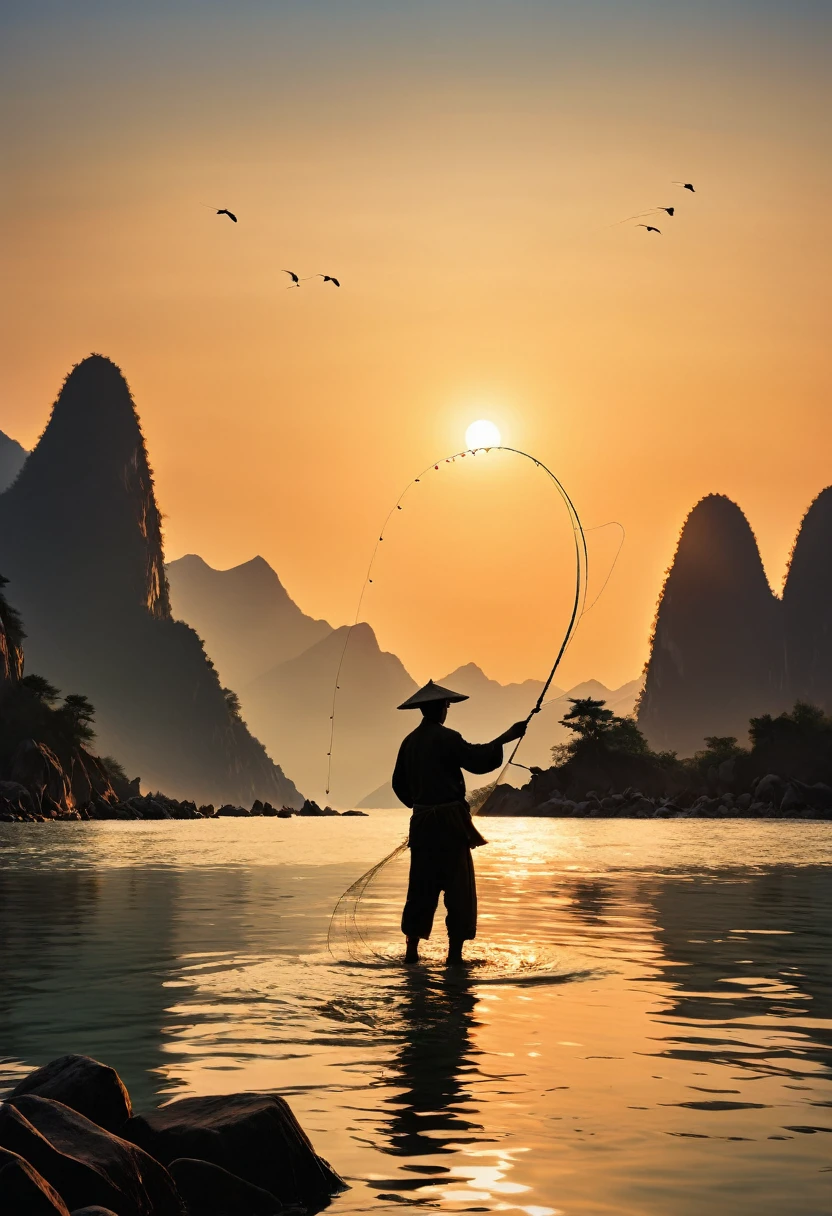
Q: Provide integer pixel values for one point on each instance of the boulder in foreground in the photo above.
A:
(23, 1192)
(76, 1181)
(254, 1136)
(209, 1190)
(143, 1187)
(83, 1084)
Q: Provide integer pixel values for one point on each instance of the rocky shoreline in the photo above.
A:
(771, 797)
(20, 805)
(71, 1145)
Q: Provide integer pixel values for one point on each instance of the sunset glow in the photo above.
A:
(482, 434)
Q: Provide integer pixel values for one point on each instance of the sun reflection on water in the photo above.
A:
(639, 1035)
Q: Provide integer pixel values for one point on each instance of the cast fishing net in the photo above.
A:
(364, 924)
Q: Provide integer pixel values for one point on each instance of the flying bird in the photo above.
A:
(629, 219)
(685, 186)
(230, 214)
(295, 280)
(649, 228)
(328, 278)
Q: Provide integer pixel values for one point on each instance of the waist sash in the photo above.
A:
(453, 816)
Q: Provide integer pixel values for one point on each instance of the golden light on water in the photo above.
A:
(482, 434)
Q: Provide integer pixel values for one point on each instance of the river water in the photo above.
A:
(646, 1026)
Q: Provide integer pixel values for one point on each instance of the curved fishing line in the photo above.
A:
(581, 577)
(349, 902)
(367, 581)
(578, 608)
(613, 523)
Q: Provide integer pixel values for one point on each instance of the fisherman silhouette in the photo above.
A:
(428, 778)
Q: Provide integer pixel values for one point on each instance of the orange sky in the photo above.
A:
(458, 168)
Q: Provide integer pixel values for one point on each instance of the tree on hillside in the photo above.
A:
(597, 730)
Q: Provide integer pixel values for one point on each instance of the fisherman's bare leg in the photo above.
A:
(423, 891)
(455, 945)
(461, 903)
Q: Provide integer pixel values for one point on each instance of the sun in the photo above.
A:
(482, 434)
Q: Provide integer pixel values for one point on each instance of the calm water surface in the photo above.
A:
(648, 1028)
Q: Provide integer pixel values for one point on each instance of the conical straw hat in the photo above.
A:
(432, 692)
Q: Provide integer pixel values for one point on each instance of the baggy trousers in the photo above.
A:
(440, 842)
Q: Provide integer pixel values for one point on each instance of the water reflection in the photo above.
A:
(749, 951)
(436, 1051)
(681, 1049)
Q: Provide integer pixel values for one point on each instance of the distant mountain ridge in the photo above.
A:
(244, 615)
(12, 456)
(545, 730)
(81, 545)
(289, 704)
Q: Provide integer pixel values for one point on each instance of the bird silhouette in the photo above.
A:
(328, 278)
(295, 280)
(649, 228)
(230, 214)
(685, 186)
(641, 214)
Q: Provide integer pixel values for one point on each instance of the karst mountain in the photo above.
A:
(725, 647)
(81, 546)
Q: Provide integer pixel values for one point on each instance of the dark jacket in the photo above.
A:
(429, 767)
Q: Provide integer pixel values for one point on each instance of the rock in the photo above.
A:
(17, 795)
(792, 799)
(255, 1136)
(363, 814)
(184, 810)
(310, 808)
(506, 800)
(88, 778)
(75, 1181)
(641, 805)
(285, 812)
(151, 809)
(257, 807)
(235, 812)
(818, 795)
(207, 811)
(144, 1187)
(769, 788)
(39, 770)
(23, 1192)
(84, 1085)
(744, 802)
(209, 1190)
(551, 809)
